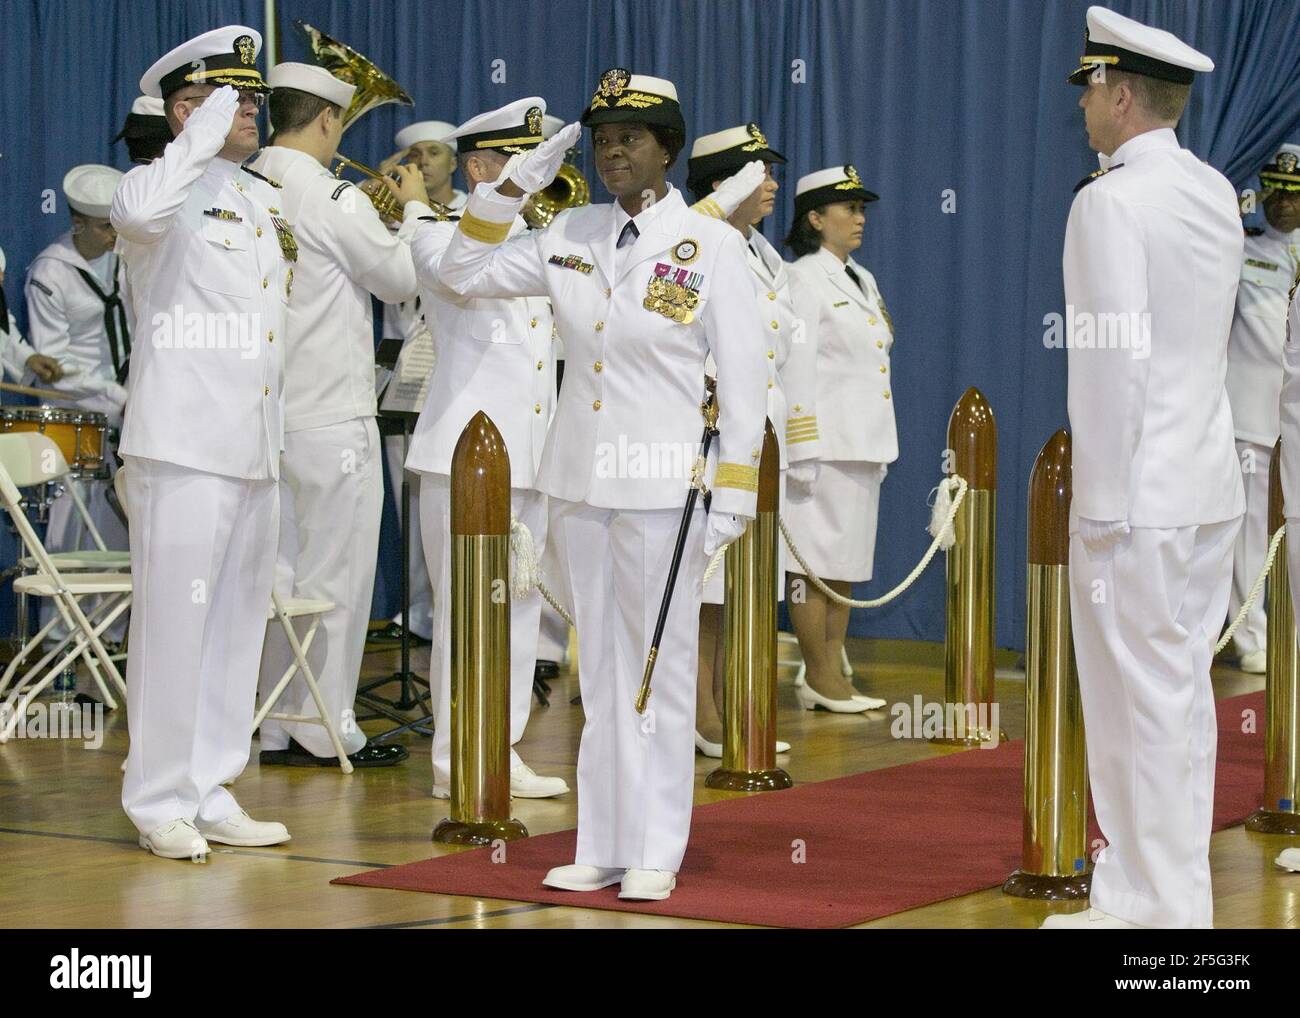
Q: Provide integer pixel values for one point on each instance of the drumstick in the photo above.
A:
(27, 390)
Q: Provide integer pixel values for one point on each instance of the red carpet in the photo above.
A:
(872, 844)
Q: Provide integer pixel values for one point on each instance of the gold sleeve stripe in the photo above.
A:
(736, 475)
(709, 207)
(483, 230)
(801, 429)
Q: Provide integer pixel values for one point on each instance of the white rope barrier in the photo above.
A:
(1255, 591)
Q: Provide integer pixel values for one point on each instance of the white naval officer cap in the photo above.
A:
(624, 97)
(89, 189)
(1283, 172)
(515, 127)
(224, 56)
(423, 130)
(313, 80)
(1112, 40)
(837, 183)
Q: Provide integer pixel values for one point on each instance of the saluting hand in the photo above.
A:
(217, 113)
(539, 167)
(739, 186)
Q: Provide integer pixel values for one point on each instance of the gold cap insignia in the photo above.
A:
(853, 181)
(613, 81)
(758, 142)
(245, 48)
(1287, 162)
(533, 120)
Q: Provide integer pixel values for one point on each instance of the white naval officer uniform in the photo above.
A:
(494, 355)
(402, 321)
(616, 467)
(1157, 236)
(201, 440)
(790, 346)
(1270, 264)
(331, 474)
(1289, 405)
(835, 527)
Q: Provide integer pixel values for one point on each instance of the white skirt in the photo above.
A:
(835, 529)
(716, 587)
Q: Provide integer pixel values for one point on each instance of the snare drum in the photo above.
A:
(81, 435)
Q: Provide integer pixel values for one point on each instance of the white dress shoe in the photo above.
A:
(1256, 662)
(875, 701)
(581, 878)
(713, 750)
(810, 699)
(242, 830)
(1089, 919)
(647, 885)
(1289, 859)
(177, 839)
(526, 784)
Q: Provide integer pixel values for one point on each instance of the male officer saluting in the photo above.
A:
(331, 480)
(209, 256)
(494, 355)
(1153, 245)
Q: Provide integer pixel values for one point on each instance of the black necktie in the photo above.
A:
(4, 314)
(629, 230)
(856, 280)
(114, 322)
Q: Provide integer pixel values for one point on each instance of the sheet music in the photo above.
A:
(410, 382)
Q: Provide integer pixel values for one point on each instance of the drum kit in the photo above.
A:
(83, 436)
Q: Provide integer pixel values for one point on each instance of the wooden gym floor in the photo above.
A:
(68, 855)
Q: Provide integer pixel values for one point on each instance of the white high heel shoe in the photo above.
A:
(810, 699)
(713, 750)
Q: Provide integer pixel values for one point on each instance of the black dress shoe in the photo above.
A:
(392, 633)
(369, 755)
(545, 671)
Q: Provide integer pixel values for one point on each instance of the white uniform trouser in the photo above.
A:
(1251, 549)
(1146, 612)
(553, 643)
(66, 531)
(421, 588)
(435, 527)
(202, 561)
(636, 773)
(331, 500)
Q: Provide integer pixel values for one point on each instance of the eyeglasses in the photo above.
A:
(246, 95)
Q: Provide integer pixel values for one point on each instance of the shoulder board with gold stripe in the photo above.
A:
(254, 173)
(1094, 175)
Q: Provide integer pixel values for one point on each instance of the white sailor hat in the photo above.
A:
(313, 80)
(224, 56)
(550, 124)
(145, 127)
(624, 97)
(515, 127)
(1283, 173)
(89, 189)
(147, 106)
(724, 152)
(838, 183)
(1112, 40)
(2, 259)
(424, 130)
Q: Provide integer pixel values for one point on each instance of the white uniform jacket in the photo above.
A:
(494, 355)
(1290, 408)
(404, 319)
(345, 253)
(1153, 249)
(628, 424)
(203, 244)
(66, 321)
(855, 404)
(1268, 268)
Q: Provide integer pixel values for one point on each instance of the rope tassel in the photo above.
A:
(525, 573)
(941, 514)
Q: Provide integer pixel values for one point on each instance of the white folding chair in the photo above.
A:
(26, 459)
(285, 610)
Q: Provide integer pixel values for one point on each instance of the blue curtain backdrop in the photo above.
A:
(928, 98)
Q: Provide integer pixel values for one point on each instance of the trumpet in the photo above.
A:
(384, 201)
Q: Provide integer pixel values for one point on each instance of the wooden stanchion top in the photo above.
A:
(480, 480)
(973, 438)
(1276, 511)
(1049, 503)
(769, 473)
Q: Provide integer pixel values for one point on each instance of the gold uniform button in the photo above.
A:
(264, 284)
(607, 291)
(270, 337)
(598, 366)
(600, 326)
(886, 394)
(533, 323)
(227, 242)
(771, 355)
(771, 295)
(771, 385)
(775, 324)
(266, 390)
(871, 319)
(537, 408)
(882, 369)
(880, 344)
(539, 365)
(596, 405)
(259, 231)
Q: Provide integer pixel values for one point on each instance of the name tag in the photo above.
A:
(1255, 263)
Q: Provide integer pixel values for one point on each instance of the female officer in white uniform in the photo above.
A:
(791, 364)
(643, 290)
(834, 525)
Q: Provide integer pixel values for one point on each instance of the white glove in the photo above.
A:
(739, 186)
(1098, 535)
(217, 113)
(800, 478)
(721, 529)
(539, 167)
